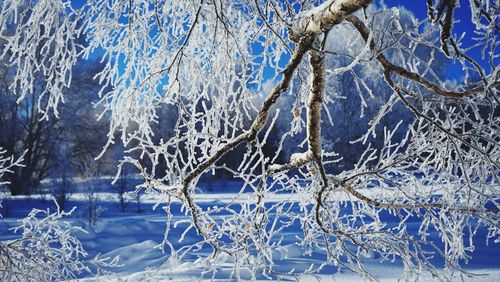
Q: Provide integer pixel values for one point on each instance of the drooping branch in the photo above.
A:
(364, 32)
(391, 68)
(417, 113)
(180, 52)
(388, 68)
(249, 135)
(373, 202)
(305, 28)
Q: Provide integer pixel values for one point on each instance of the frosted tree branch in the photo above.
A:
(230, 76)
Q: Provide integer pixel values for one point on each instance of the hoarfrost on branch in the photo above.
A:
(211, 61)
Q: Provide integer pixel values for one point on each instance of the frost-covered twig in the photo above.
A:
(365, 33)
(7, 163)
(249, 135)
(46, 250)
(429, 151)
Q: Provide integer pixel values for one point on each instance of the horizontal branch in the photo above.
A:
(378, 204)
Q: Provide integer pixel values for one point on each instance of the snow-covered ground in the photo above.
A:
(135, 238)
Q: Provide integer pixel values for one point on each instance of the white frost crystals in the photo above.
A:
(429, 148)
(7, 163)
(39, 39)
(47, 251)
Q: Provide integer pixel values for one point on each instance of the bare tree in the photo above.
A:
(211, 59)
(24, 128)
(90, 171)
(62, 181)
(24, 131)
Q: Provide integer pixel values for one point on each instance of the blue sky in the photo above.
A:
(419, 9)
(462, 14)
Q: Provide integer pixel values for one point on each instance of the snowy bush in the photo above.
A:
(46, 250)
(90, 172)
